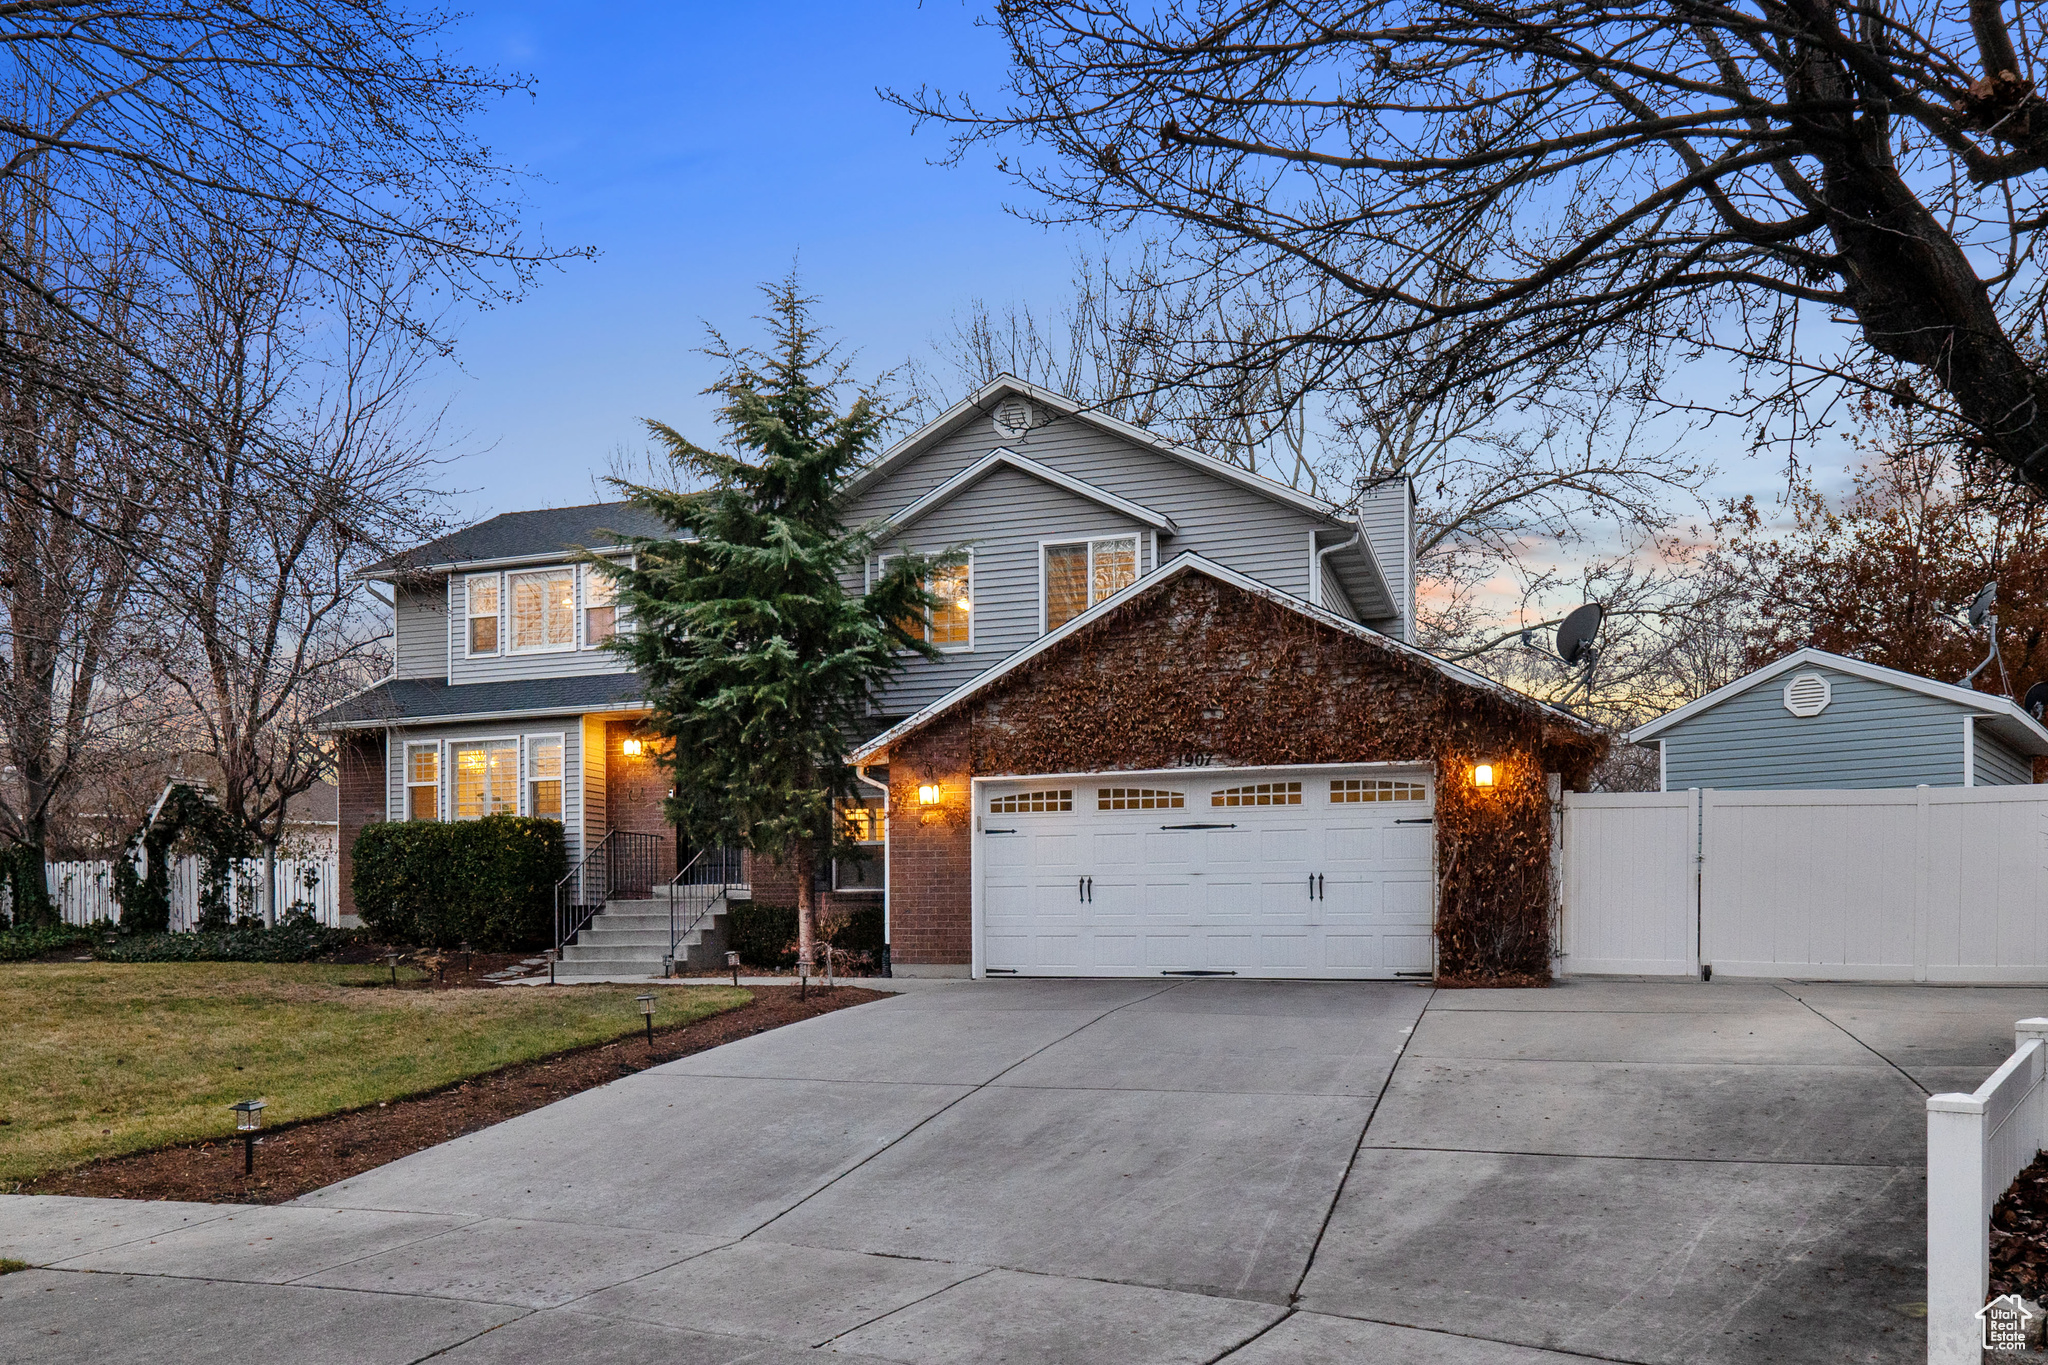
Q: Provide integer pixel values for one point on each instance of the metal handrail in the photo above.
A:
(702, 889)
(624, 860)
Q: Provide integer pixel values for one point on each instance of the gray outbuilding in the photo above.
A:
(1814, 719)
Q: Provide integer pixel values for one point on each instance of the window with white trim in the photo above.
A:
(864, 820)
(543, 610)
(486, 778)
(544, 777)
(600, 607)
(951, 623)
(1081, 573)
(422, 781)
(1258, 794)
(1040, 802)
(1344, 789)
(481, 598)
(1138, 798)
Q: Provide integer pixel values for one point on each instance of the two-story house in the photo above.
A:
(1189, 692)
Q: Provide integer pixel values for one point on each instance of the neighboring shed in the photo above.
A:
(1815, 719)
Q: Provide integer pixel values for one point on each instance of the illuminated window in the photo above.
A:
(1137, 798)
(422, 781)
(544, 778)
(1258, 794)
(952, 620)
(600, 608)
(1375, 789)
(1079, 575)
(486, 778)
(543, 610)
(483, 613)
(1019, 803)
(865, 823)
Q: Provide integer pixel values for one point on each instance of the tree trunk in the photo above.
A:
(269, 883)
(806, 902)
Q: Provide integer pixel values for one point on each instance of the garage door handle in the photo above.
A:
(1198, 827)
(1425, 820)
(999, 831)
(1084, 889)
(1315, 886)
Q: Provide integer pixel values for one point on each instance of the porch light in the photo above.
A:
(248, 1118)
(928, 794)
(647, 1010)
(631, 748)
(1482, 775)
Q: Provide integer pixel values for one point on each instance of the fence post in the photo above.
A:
(1958, 1229)
(2024, 1032)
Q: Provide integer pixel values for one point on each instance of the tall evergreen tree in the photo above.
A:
(758, 657)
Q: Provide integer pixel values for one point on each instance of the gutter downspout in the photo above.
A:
(860, 771)
(1315, 587)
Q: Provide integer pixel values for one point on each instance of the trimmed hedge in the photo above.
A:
(765, 935)
(22, 945)
(297, 938)
(489, 883)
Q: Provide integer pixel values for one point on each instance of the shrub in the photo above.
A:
(855, 931)
(296, 938)
(489, 883)
(763, 935)
(23, 945)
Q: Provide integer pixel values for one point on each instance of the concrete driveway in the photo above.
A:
(1110, 1172)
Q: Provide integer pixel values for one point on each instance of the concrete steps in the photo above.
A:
(630, 938)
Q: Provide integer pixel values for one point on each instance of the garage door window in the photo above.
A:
(1258, 794)
(1022, 803)
(1138, 798)
(1374, 789)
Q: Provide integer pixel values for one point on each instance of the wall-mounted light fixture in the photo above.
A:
(1482, 775)
(928, 794)
(631, 748)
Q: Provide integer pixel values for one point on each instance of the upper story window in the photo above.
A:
(952, 620)
(482, 598)
(1080, 573)
(543, 610)
(600, 607)
(422, 781)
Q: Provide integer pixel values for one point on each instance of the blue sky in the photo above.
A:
(703, 148)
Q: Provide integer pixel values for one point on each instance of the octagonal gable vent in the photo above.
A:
(1808, 694)
(1014, 417)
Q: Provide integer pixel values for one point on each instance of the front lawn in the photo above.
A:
(102, 1059)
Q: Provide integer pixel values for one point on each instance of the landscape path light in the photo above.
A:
(732, 960)
(647, 1009)
(248, 1118)
(392, 958)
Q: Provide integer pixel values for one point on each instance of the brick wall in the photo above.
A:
(930, 853)
(635, 787)
(359, 775)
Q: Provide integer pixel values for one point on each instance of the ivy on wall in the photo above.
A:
(186, 821)
(1200, 672)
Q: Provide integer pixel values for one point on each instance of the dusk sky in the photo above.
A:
(702, 149)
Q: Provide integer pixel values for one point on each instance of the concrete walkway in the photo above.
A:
(1114, 1172)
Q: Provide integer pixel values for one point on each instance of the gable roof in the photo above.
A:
(1010, 459)
(983, 400)
(2006, 719)
(512, 537)
(870, 751)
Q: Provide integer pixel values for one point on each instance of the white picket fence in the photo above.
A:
(84, 891)
(1907, 884)
(1976, 1144)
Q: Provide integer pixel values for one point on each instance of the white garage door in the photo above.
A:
(1310, 872)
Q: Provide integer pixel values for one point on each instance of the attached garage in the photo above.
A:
(1204, 775)
(1289, 872)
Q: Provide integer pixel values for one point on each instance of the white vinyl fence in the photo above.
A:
(84, 891)
(1976, 1144)
(1909, 884)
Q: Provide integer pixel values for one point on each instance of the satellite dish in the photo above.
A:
(1981, 605)
(2037, 700)
(1575, 634)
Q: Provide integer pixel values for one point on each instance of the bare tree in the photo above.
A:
(1832, 195)
(304, 461)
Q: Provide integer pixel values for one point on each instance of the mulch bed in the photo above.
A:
(2019, 1235)
(297, 1158)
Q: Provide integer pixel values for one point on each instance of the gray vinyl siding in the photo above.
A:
(1002, 519)
(1334, 598)
(1998, 766)
(1385, 514)
(570, 728)
(506, 666)
(420, 630)
(1216, 518)
(1871, 735)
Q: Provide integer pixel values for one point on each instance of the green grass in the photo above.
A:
(102, 1059)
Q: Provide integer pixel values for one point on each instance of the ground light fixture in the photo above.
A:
(1482, 775)
(647, 1011)
(392, 958)
(248, 1118)
(732, 960)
